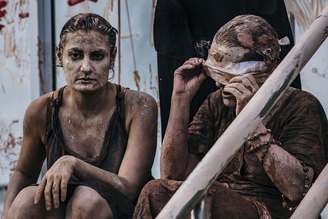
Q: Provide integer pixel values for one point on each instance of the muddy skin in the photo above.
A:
(99, 138)
(266, 182)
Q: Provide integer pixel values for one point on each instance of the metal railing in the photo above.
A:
(315, 199)
(194, 189)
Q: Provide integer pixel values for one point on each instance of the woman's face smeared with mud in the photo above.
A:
(245, 45)
(86, 60)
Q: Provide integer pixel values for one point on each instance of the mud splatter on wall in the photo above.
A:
(18, 75)
(9, 145)
(3, 13)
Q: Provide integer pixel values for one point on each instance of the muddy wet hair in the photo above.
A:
(86, 22)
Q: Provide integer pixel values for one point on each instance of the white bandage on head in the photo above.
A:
(240, 68)
(246, 44)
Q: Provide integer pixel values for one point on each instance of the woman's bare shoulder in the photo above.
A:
(140, 106)
(138, 100)
(36, 113)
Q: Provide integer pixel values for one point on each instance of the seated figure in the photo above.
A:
(99, 138)
(275, 167)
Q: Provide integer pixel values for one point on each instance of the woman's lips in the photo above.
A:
(85, 79)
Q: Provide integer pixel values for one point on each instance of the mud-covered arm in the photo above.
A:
(285, 171)
(293, 160)
(188, 142)
(32, 152)
(175, 157)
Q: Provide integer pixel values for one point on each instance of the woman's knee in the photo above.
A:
(87, 203)
(23, 205)
(151, 186)
(159, 187)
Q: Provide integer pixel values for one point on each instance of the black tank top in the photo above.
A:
(114, 142)
(110, 157)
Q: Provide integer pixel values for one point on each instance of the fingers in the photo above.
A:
(234, 91)
(188, 65)
(238, 90)
(39, 192)
(252, 80)
(241, 93)
(48, 195)
(247, 80)
(202, 76)
(45, 188)
(194, 61)
(63, 188)
(244, 81)
(55, 191)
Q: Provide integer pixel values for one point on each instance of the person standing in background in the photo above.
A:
(184, 28)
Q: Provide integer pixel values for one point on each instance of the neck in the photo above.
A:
(94, 102)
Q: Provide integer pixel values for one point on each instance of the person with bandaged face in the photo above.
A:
(275, 167)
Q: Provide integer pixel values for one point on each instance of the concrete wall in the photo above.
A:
(19, 79)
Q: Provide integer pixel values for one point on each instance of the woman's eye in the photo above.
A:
(75, 55)
(97, 56)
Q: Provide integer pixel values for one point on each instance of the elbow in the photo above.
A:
(127, 189)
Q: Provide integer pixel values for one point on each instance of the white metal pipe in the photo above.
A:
(214, 162)
(315, 200)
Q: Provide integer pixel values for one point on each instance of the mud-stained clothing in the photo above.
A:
(298, 122)
(110, 157)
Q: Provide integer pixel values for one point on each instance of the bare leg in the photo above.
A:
(23, 207)
(87, 203)
(56, 213)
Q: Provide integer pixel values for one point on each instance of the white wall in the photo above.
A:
(19, 79)
(314, 76)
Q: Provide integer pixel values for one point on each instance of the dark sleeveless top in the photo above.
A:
(110, 157)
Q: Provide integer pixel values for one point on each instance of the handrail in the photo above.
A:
(315, 199)
(214, 162)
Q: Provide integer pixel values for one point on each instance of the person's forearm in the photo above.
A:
(174, 154)
(286, 172)
(86, 171)
(17, 182)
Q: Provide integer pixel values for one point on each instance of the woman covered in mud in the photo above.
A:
(275, 167)
(99, 138)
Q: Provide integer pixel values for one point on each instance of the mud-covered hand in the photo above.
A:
(54, 184)
(242, 88)
(188, 78)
